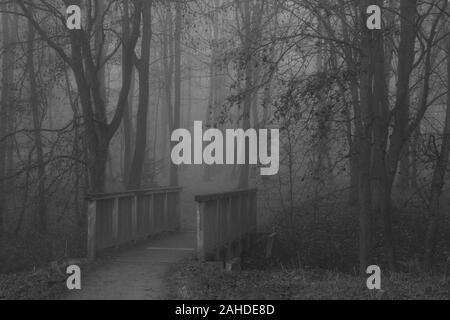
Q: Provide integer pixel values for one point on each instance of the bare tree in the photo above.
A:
(143, 68)
(34, 101)
(85, 66)
(438, 181)
(5, 107)
(174, 179)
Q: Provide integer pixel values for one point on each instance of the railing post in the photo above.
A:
(134, 218)
(115, 222)
(239, 226)
(226, 224)
(249, 221)
(178, 211)
(165, 212)
(151, 216)
(107, 219)
(201, 232)
(92, 221)
(217, 231)
(229, 236)
(255, 212)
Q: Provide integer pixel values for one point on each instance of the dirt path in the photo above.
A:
(137, 274)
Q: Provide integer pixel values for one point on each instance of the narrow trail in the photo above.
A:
(137, 274)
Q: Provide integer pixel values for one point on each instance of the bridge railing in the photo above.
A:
(226, 224)
(115, 219)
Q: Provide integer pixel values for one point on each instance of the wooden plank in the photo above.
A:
(234, 218)
(225, 195)
(226, 224)
(229, 236)
(115, 222)
(166, 220)
(134, 218)
(254, 222)
(151, 216)
(178, 212)
(239, 226)
(217, 230)
(92, 220)
(130, 193)
(124, 218)
(255, 212)
(200, 232)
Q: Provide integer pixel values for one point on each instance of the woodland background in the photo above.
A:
(364, 118)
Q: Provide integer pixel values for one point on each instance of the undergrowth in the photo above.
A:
(315, 256)
(195, 281)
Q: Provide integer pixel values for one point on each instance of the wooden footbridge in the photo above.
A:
(146, 225)
(226, 222)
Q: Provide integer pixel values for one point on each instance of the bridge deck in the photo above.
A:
(137, 274)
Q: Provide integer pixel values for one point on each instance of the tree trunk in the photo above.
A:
(34, 104)
(415, 158)
(167, 64)
(244, 169)
(177, 98)
(7, 64)
(100, 49)
(364, 136)
(85, 66)
(354, 139)
(210, 117)
(408, 13)
(143, 67)
(404, 176)
(435, 212)
(188, 115)
(127, 133)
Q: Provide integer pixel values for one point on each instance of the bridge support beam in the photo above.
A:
(92, 225)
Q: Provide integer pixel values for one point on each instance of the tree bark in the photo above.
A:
(167, 66)
(7, 64)
(211, 111)
(435, 211)
(404, 176)
(128, 133)
(143, 67)
(399, 137)
(247, 56)
(365, 144)
(99, 131)
(100, 50)
(177, 94)
(34, 104)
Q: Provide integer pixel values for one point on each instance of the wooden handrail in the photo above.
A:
(226, 224)
(130, 193)
(118, 218)
(225, 195)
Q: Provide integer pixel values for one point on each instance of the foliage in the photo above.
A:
(34, 251)
(37, 285)
(205, 282)
(315, 257)
(324, 234)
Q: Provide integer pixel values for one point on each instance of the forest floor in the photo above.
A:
(191, 280)
(142, 273)
(136, 274)
(314, 258)
(133, 273)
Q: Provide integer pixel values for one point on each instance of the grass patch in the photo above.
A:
(191, 280)
(37, 285)
(315, 257)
